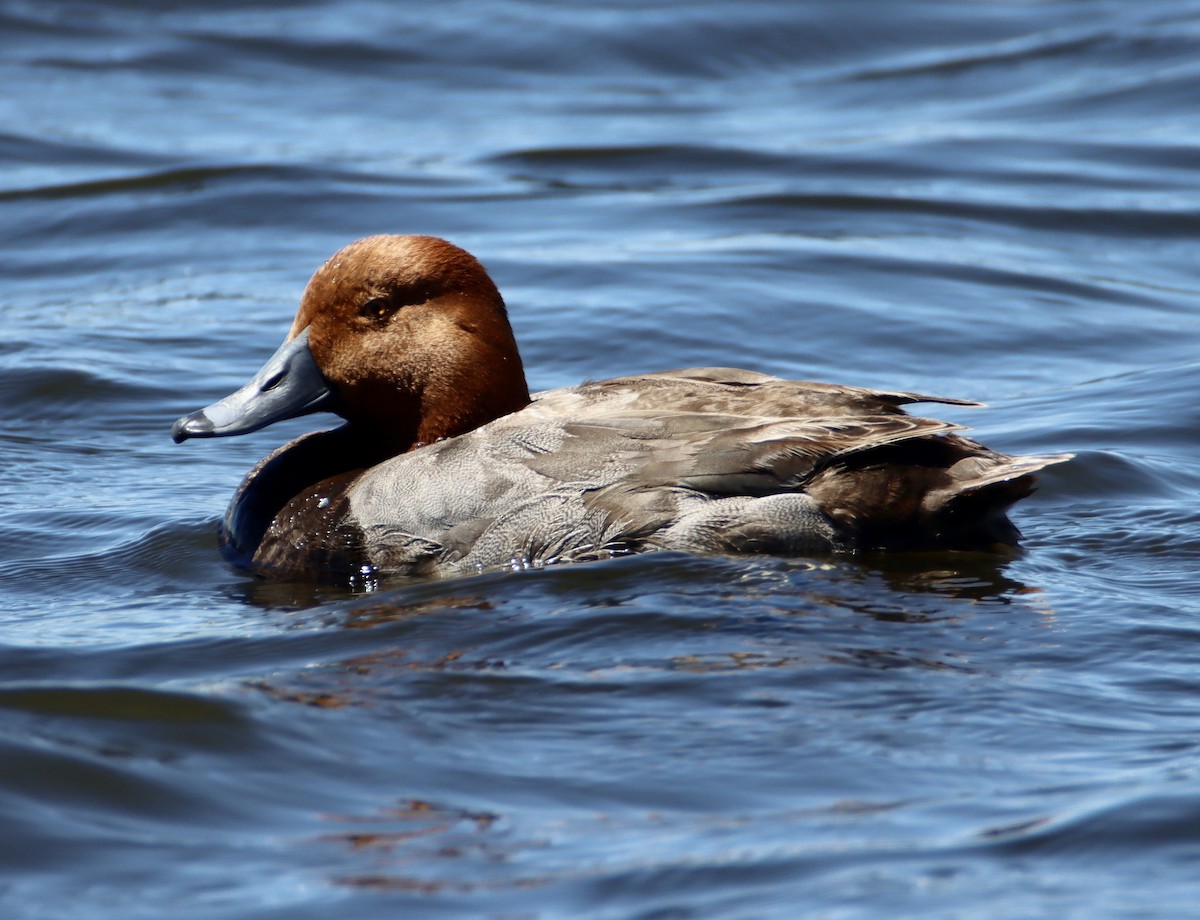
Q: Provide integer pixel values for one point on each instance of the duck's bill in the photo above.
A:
(289, 385)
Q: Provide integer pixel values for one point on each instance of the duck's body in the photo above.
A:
(446, 466)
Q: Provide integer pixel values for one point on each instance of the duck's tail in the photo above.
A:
(971, 510)
(942, 492)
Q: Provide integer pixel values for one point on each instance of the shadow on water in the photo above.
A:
(970, 576)
(636, 621)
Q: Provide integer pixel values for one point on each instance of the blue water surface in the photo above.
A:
(991, 200)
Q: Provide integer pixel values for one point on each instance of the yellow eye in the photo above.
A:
(376, 308)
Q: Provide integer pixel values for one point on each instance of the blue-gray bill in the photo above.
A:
(289, 385)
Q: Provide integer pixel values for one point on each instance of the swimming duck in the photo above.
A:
(446, 465)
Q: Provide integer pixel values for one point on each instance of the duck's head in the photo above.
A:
(406, 337)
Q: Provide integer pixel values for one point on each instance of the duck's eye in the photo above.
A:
(377, 308)
(381, 306)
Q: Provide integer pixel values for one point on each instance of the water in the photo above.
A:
(988, 200)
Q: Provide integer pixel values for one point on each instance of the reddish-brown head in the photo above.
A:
(414, 337)
(406, 337)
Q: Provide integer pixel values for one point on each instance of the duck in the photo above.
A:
(446, 465)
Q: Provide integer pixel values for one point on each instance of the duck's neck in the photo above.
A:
(464, 374)
(465, 411)
(434, 414)
(485, 383)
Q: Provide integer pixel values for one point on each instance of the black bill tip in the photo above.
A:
(196, 425)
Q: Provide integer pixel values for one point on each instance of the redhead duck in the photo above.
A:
(446, 465)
